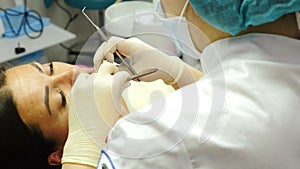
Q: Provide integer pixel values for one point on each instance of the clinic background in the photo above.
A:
(79, 26)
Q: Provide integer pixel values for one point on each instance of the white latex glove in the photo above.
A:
(92, 114)
(106, 49)
(109, 85)
(142, 56)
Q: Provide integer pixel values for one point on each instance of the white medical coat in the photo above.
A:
(244, 113)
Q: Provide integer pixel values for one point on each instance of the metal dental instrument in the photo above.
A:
(103, 35)
(143, 73)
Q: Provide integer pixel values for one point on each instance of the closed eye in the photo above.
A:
(63, 98)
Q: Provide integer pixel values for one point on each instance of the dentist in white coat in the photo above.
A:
(242, 112)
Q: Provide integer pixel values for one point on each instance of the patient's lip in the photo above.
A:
(85, 69)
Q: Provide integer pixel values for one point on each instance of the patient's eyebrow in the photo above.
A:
(46, 99)
(37, 67)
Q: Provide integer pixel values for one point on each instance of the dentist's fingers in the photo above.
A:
(107, 68)
(132, 45)
(120, 83)
(105, 51)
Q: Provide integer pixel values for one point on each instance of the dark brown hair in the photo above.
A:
(21, 146)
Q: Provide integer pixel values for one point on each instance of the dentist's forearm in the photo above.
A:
(189, 75)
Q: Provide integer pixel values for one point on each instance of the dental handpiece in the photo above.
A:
(103, 35)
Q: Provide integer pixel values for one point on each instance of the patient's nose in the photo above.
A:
(66, 77)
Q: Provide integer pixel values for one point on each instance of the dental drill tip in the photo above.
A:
(83, 9)
(89, 19)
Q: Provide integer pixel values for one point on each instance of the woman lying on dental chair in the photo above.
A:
(258, 126)
(34, 105)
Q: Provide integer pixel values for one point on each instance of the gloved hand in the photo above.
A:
(142, 56)
(109, 85)
(92, 113)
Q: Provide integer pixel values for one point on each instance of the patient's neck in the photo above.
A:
(286, 26)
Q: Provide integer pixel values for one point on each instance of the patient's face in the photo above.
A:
(42, 93)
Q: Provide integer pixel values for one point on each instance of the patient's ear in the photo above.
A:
(55, 157)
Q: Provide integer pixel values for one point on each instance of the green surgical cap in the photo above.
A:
(233, 16)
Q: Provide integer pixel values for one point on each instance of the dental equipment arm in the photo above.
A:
(98, 94)
(171, 69)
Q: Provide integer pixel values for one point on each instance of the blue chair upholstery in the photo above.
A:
(48, 3)
(90, 4)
